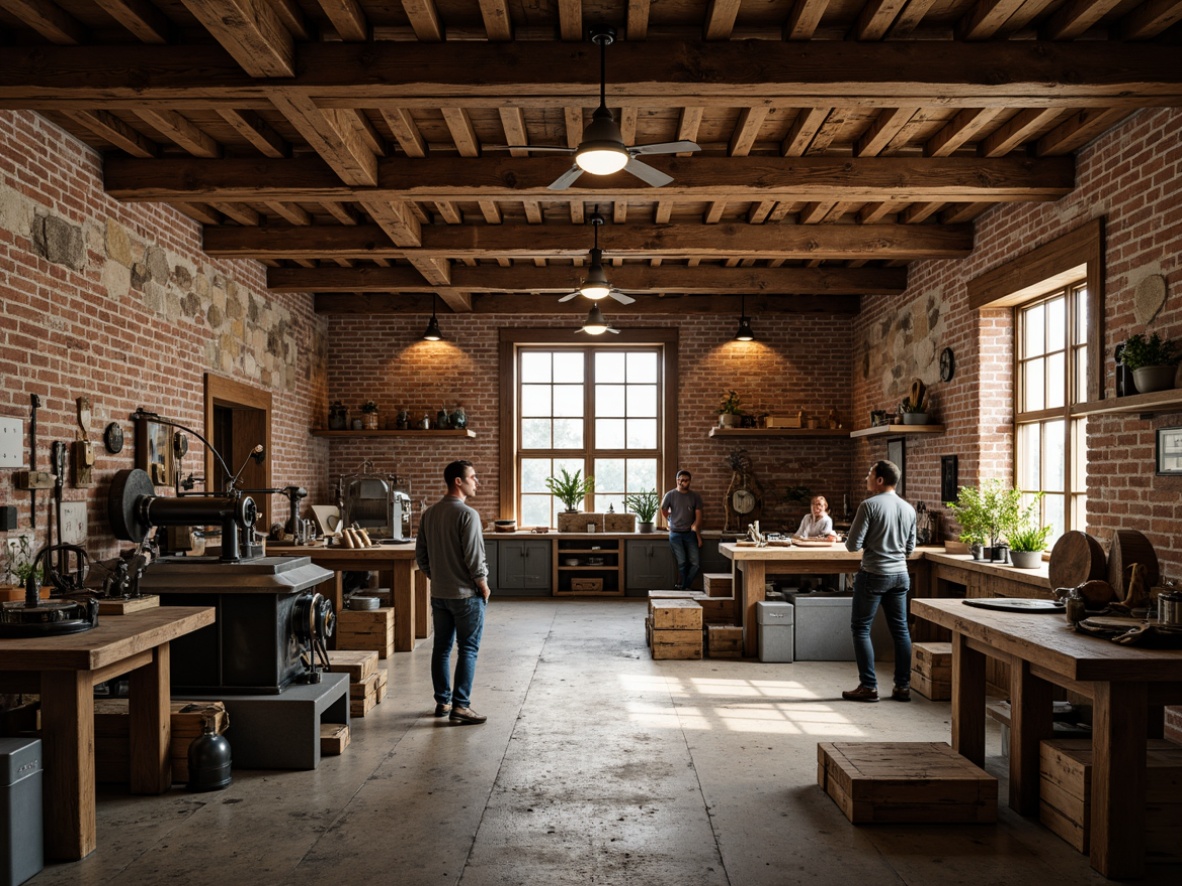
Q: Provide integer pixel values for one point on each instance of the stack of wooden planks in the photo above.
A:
(366, 629)
(367, 679)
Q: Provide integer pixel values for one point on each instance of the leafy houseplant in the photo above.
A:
(571, 489)
(644, 505)
(988, 512)
(1152, 361)
(369, 415)
(1027, 543)
(729, 411)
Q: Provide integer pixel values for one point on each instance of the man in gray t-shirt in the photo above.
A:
(682, 510)
(884, 531)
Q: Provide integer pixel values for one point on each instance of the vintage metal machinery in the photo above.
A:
(376, 504)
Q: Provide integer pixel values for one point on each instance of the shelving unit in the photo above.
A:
(1144, 404)
(778, 432)
(898, 430)
(345, 434)
(609, 571)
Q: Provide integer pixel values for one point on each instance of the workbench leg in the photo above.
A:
(150, 709)
(402, 592)
(67, 729)
(968, 701)
(1118, 779)
(422, 605)
(1031, 709)
(754, 574)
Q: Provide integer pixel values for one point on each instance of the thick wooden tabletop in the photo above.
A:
(1045, 639)
(335, 554)
(114, 639)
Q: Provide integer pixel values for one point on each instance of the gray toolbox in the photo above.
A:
(823, 628)
(775, 621)
(21, 844)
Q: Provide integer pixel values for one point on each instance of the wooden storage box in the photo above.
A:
(578, 521)
(790, 420)
(905, 782)
(718, 584)
(112, 736)
(677, 644)
(724, 641)
(676, 615)
(334, 738)
(931, 670)
(717, 610)
(357, 663)
(366, 629)
(1065, 794)
(619, 523)
(383, 682)
(586, 584)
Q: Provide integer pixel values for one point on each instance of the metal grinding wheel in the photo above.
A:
(313, 621)
(35, 617)
(124, 509)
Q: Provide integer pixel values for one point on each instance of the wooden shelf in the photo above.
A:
(778, 432)
(345, 434)
(1158, 401)
(897, 430)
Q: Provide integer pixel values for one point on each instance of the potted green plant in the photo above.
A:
(1152, 362)
(369, 415)
(1027, 544)
(986, 513)
(570, 489)
(729, 412)
(644, 506)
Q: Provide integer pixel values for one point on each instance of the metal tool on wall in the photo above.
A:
(83, 463)
(34, 405)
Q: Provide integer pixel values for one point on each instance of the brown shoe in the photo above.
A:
(466, 715)
(901, 693)
(862, 693)
(442, 710)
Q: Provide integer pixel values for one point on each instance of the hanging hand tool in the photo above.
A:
(59, 470)
(34, 403)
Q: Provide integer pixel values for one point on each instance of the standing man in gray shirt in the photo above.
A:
(682, 510)
(884, 531)
(450, 552)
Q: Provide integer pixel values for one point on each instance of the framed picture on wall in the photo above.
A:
(1169, 450)
(153, 451)
(898, 454)
(949, 481)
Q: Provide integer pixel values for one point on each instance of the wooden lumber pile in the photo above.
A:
(366, 629)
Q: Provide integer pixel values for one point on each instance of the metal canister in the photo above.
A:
(1169, 608)
(1077, 609)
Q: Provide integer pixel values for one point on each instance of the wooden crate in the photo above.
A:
(648, 631)
(357, 663)
(676, 615)
(382, 684)
(718, 584)
(367, 688)
(673, 645)
(670, 595)
(718, 610)
(1065, 794)
(112, 736)
(724, 641)
(905, 782)
(931, 670)
(359, 707)
(366, 629)
(586, 584)
(334, 738)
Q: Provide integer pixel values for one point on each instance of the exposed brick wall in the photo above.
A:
(116, 302)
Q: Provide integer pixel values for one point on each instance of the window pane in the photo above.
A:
(1033, 385)
(1079, 458)
(568, 400)
(642, 433)
(642, 474)
(642, 400)
(1056, 321)
(1034, 340)
(534, 472)
(536, 510)
(568, 433)
(1081, 315)
(1054, 455)
(642, 367)
(535, 433)
(1052, 513)
(570, 465)
(1029, 445)
(609, 433)
(609, 400)
(609, 366)
(1079, 511)
(535, 366)
(1080, 393)
(609, 476)
(1056, 382)
(535, 400)
(568, 366)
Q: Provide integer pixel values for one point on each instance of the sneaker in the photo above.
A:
(901, 693)
(442, 710)
(466, 715)
(862, 693)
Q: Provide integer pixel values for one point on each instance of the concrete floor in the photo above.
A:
(598, 765)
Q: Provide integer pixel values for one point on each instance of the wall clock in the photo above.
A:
(947, 365)
(744, 498)
(113, 438)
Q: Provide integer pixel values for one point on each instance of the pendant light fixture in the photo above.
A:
(432, 332)
(596, 323)
(744, 333)
(602, 150)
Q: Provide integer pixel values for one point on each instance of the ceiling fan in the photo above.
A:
(596, 323)
(595, 285)
(602, 150)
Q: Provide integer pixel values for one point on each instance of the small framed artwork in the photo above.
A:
(153, 451)
(1169, 450)
(898, 454)
(949, 481)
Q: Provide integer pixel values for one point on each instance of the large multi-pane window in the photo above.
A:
(1051, 377)
(594, 410)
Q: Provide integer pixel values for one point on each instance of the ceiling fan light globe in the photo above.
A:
(600, 158)
(595, 291)
(596, 323)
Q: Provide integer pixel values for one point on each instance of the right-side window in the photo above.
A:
(1051, 377)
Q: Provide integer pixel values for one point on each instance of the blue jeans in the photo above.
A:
(891, 591)
(462, 621)
(687, 555)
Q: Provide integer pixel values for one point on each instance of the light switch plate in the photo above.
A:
(74, 523)
(12, 438)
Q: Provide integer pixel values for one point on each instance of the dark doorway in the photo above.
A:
(238, 418)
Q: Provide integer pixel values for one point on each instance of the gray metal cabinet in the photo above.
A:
(523, 566)
(648, 566)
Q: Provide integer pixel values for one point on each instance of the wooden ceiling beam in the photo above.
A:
(140, 17)
(910, 18)
(518, 304)
(639, 241)
(424, 19)
(182, 131)
(257, 131)
(1074, 18)
(47, 19)
(876, 18)
(348, 18)
(1149, 19)
(986, 19)
(555, 75)
(406, 132)
(720, 19)
(110, 128)
(498, 24)
(804, 19)
(333, 136)
(570, 20)
(960, 130)
(356, 174)
(638, 13)
(250, 31)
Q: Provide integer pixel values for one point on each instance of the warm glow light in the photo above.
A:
(595, 291)
(602, 160)
(595, 324)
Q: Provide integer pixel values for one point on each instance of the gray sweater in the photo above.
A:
(450, 549)
(884, 531)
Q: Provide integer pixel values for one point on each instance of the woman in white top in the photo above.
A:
(817, 524)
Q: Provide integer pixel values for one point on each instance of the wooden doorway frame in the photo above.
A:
(237, 396)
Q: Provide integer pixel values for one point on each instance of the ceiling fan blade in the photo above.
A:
(567, 179)
(682, 147)
(570, 295)
(646, 174)
(613, 331)
(621, 298)
(554, 149)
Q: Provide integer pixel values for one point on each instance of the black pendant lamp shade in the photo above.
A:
(432, 332)
(744, 333)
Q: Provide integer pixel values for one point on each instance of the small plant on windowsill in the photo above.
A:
(644, 506)
(570, 489)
